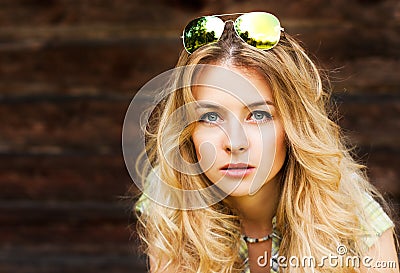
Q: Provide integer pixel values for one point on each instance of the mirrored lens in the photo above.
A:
(202, 31)
(259, 29)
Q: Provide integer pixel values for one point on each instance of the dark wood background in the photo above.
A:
(68, 70)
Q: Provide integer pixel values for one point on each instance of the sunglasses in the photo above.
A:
(259, 29)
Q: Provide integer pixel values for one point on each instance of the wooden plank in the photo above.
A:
(71, 69)
(64, 12)
(382, 170)
(75, 214)
(67, 177)
(370, 120)
(79, 125)
(161, 12)
(64, 178)
(46, 259)
(366, 77)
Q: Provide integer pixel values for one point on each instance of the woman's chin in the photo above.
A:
(243, 188)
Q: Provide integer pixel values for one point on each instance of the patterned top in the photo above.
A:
(379, 221)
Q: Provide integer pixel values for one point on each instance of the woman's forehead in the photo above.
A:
(218, 83)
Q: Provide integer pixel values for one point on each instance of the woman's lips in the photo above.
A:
(237, 170)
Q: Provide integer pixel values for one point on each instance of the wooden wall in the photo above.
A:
(68, 70)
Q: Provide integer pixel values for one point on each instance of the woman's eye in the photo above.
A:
(210, 117)
(260, 116)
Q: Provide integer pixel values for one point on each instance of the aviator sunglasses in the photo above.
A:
(259, 29)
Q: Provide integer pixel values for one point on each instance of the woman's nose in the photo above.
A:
(236, 139)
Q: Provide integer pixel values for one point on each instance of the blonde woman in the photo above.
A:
(249, 111)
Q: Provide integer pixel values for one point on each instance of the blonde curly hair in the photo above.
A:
(322, 187)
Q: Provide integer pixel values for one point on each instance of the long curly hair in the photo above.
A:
(322, 186)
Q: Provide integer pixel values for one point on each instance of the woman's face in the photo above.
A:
(239, 137)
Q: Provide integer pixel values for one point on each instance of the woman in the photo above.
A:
(254, 119)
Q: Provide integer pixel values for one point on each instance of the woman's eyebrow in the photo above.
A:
(216, 106)
(260, 103)
(207, 105)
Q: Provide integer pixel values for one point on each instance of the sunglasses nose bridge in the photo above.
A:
(259, 29)
(229, 25)
(230, 31)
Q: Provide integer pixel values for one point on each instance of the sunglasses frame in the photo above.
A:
(236, 31)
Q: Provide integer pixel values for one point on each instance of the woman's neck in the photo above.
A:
(256, 211)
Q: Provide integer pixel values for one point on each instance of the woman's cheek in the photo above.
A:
(205, 147)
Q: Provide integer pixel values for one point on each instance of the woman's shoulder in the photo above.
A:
(376, 218)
